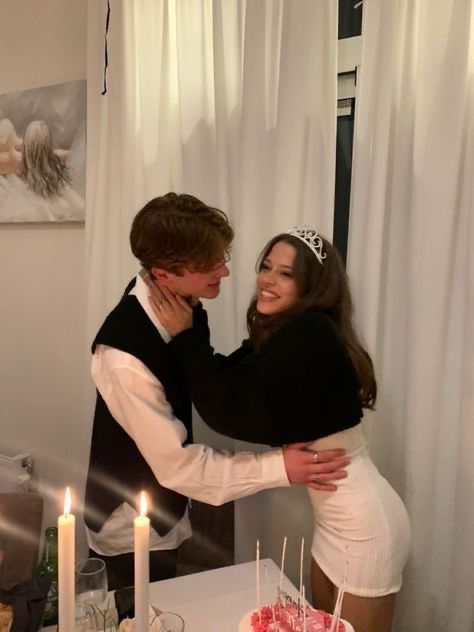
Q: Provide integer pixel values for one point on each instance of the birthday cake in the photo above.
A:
(287, 617)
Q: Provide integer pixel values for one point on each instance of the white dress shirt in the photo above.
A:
(137, 401)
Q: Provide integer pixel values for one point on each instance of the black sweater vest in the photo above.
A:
(117, 470)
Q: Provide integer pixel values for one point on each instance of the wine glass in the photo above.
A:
(84, 619)
(91, 591)
(171, 622)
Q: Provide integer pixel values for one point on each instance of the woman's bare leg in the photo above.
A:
(366, 614)
(323, 590)
(369, 614)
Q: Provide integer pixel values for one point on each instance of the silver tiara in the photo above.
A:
(310, 237)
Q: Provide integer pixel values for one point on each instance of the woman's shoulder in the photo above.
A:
(308, 333)
(311, 322)
(317, 318)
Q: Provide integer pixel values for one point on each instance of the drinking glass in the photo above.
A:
(91, 591)
(171, 622)
(84, 619)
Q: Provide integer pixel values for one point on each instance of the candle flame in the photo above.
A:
(67, 501)
(143, 504)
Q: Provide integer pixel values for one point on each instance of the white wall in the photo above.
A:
(42, 341)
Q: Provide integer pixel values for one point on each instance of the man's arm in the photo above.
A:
(137, 401)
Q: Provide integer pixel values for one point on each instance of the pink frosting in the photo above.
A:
(289, 621)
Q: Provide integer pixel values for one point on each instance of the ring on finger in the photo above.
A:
(315, 456)
(318, 479)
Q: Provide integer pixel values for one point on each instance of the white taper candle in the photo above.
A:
(141, 527)
(66, 562)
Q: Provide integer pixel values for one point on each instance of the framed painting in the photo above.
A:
(43, 154)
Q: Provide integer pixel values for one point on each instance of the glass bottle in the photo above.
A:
(48, 567)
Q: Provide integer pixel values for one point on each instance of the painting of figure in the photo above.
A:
(42, 154)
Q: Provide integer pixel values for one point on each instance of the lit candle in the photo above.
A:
(282, 565)
(66, 553)
(141, 526)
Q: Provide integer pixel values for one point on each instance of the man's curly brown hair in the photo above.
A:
(178, 231)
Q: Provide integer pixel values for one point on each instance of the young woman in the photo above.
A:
(42, 167)
(303, 374)
(36, 184)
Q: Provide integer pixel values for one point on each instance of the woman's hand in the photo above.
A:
(172, 310)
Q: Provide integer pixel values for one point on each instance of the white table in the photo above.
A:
(215, 601)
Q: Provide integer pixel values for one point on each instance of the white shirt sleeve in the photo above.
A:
(138, 402)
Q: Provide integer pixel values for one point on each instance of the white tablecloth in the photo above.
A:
(215, 601)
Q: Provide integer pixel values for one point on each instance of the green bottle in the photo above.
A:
(48, 567)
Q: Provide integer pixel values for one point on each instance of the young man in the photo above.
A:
(142, 433)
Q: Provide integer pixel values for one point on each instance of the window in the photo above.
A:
(350, 23)
(350, 18)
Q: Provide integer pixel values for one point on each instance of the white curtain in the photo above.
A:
(412, 268)
(233, 101)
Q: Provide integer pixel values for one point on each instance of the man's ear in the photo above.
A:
(160, 275)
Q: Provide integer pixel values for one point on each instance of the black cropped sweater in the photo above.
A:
(299, 386)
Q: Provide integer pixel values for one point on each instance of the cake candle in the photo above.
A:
(301, 567)
(340, 596)
(337, 609)
(304, 609)
(275, 626)
(282, 565)
(257, 570)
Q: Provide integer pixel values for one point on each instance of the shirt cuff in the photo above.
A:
(273, 469)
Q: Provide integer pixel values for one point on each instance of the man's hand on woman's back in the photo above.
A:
(316, 469)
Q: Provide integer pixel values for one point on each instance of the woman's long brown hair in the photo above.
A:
(325, 288)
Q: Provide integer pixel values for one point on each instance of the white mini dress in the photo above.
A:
(362, 530)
